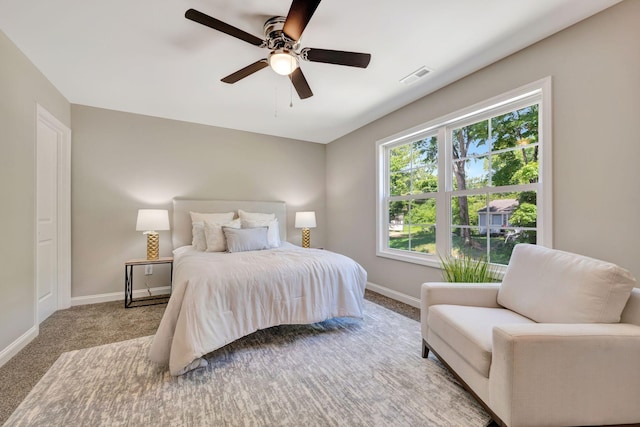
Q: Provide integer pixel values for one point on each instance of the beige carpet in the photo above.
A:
(340, 372)
(91, 325)
(66, 330)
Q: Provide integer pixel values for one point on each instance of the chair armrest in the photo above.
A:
(565, 374)
(469, 294)
(631, 312)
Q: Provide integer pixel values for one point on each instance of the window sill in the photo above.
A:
(428, 260)
(405, 256)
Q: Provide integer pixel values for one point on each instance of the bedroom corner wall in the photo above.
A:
(122, 162)
(21, 86)
(594, 67)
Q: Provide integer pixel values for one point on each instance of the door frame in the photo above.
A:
(63, 207)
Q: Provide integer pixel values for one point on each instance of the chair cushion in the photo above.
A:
(551, 286)
(468, 330)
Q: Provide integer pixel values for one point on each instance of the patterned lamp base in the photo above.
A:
(153, 245)
(306, 238)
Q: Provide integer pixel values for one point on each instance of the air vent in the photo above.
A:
(413, 77)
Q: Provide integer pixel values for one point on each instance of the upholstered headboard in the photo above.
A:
(181, 228)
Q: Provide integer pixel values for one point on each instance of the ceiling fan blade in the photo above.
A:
(300, 83)
(216, 24)
(300, 14)
(339, 57)
(246, 71)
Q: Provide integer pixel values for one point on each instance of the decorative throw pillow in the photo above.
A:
(256, 216)
(199, 240)
(552, 286)
(246, 239)
(216, 241)
(273, 234)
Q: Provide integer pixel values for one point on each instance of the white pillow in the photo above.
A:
(246, 239)
(198, 238)
(197, 231)
(215, 239)
(256, 216)
(552, 286)
(273, 234)
(213, 217)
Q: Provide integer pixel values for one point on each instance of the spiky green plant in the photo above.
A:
(467, 270)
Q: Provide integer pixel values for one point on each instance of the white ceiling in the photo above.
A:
(144, 57)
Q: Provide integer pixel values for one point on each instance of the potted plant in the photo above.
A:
(467, 270)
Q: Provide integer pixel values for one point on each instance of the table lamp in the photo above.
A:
(306, 220)
(150, 221)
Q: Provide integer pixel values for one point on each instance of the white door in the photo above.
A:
(46, 220)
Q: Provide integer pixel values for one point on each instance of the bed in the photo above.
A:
(219, 297)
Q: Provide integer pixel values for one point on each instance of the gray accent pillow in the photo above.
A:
(246, 239)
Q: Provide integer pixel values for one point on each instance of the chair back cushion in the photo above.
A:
(551, 286)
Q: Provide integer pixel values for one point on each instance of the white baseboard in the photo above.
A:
(398, 296)
(13, 348)
(118, 296)
(139, 293)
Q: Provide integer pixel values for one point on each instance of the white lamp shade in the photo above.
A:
(305, 219)
(152, 220)
(282, 62)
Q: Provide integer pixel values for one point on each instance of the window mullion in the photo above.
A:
(443, 203)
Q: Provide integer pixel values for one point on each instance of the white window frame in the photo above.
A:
(535, 92)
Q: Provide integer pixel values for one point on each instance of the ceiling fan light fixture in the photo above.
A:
(283, 62)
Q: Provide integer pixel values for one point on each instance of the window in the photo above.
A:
(413, 186)
(473, 183)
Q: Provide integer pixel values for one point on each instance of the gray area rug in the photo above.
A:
(342, 372)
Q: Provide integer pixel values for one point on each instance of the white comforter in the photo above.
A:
(220, 297)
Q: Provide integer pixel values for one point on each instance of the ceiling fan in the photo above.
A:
(282, 38)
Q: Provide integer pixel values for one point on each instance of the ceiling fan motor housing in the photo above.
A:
(275, 38)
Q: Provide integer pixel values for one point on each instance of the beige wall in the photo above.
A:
(21, 87)
(595, 66)
(122, 162)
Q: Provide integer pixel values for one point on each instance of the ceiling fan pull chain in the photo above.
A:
(290, 96)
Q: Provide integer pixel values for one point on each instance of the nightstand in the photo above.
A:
(128, 282)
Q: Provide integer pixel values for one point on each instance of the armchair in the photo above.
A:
(557, 343)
